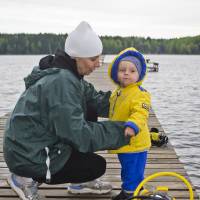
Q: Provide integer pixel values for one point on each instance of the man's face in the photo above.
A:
(86, 66)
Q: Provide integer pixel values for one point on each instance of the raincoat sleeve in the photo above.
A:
(99, 101)
(68, 123)
(139, 110)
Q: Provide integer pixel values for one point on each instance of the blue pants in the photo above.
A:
(132, 169)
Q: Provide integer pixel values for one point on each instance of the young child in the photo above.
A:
(130, 103)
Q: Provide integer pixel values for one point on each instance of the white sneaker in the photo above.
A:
(26, 188)
(92, 187)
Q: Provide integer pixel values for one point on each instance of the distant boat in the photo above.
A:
(152, 66)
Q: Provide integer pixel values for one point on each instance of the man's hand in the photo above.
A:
(129, 132)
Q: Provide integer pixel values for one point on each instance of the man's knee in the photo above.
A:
(100, 166)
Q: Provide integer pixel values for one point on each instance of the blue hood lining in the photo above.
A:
(128, 53)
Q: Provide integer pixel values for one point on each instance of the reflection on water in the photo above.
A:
(175, 96)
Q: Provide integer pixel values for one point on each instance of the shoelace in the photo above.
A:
(31, 190)
(99, 184)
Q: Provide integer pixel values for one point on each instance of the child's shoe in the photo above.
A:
(123, 196)
(92, 187)
(26, 188)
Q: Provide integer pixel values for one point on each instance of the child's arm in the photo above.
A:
(139, 112)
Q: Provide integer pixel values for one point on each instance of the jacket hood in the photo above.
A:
(37, 74)
(113, 67)
(51, 64)
(60, 60)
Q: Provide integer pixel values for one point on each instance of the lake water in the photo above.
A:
(175, 93)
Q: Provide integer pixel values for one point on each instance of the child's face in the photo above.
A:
(127, 73)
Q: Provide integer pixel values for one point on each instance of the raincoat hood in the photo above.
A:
(37, 74)
(113, 67)
(51, 64)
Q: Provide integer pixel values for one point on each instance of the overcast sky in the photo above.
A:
(153, 18)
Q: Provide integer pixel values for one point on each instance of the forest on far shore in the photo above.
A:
(48, 43)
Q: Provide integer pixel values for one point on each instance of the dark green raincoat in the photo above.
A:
(51, 113)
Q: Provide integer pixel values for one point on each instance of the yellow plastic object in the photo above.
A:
(154, 136)
(144, 192)
(153, 176)
(162, 188)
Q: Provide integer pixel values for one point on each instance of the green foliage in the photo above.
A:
(48, 43)
(30, 43)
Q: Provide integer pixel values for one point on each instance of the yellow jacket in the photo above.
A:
(131, 104)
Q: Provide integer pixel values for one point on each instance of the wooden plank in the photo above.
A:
(62, 193)
(151, 154)
(74, 198)
(115, 183)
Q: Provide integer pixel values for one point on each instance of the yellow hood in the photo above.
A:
(113, 66)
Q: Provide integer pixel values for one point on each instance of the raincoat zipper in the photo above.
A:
(113, 108)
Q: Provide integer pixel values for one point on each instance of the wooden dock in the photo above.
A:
(159, 160)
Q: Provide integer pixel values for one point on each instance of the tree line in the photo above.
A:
(48, 43)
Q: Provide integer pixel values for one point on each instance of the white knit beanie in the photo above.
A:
(83, 42)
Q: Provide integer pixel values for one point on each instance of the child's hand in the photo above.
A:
(129, 132)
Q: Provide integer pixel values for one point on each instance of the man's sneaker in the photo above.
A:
(123, 196)
(92, 187)
(26, 188)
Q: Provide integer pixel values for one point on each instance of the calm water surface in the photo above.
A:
(175, 93)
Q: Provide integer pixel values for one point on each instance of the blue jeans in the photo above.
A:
(132, 169)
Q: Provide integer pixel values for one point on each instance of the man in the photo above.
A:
(50, 136)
